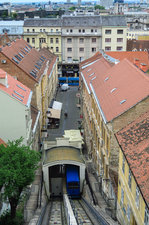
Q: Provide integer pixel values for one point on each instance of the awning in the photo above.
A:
(54, 113)
(57, 105)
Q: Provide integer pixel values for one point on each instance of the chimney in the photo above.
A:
(143, 67)
(3, 78)
(136, 62)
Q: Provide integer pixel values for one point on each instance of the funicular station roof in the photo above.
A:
(63, 155)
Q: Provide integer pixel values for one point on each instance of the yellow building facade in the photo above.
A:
(133, 182)
(131, 206)
(44, 33)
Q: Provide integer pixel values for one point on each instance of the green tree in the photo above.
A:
(99, 7)
(14, 15)
(17, 170)
(72, 8)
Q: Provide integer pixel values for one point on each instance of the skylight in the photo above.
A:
(123, 101)
(89, 70)
(15, 60)
(21, 87)
(113, 90)
(17, 97)
(91, 74)
(18, 94)
(107, 78)
(93, 78)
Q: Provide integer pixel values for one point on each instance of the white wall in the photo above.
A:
(12, 118)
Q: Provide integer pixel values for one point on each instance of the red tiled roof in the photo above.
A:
(31, 61)
(143, 56)
(52, 57)
(95, 65)
(2, 142)
(134, 142)
(119, 88)
(14, 88)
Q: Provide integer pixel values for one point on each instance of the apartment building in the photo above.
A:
(114, 33)
(44, 32)
(83, 36)
(32, 68)
(110, 102)
(76, 38)
(133, 182)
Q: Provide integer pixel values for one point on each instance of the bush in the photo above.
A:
(6, 219)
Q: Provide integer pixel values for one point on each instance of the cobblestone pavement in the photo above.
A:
(70, 101)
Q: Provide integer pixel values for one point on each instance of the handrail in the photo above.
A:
(40, 219)
(94, 212)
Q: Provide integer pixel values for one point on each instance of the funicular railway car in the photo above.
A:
(73, 181)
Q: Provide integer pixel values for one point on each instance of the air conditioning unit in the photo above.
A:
(3, 61)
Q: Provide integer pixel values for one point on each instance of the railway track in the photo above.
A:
(80, 212)
(56, 212)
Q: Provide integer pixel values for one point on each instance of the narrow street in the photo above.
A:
(70, 101)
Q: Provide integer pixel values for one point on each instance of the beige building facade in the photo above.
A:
(44, 33)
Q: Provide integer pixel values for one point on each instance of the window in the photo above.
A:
(51, 48)
(93, 49)
(119, 39)
(57, 40)
(93, 40)
(69, 59)
(146, 217)
(81, 40)
(123, 165)
(69, 49)
(119, 31)
(71, 31)
(69, 40)
(92, 30)
(83, 31)
(137, 197)
(51, 40)
(57, 49)
(40, 30)
(119, 48)
(95, 30)
(27, 30)
(81, 59)
(42, 40)
(81, 49)
(27, 40)
(107, 31)
(44, 30)
(57, 30)
(122, 196)
(107, 39)
(67, 31)
(33, 40)
(129, 179)
(107, 48)
(33, 30)
(51, 30)
(128, 212)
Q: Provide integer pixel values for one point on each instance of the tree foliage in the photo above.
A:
(72, 8)
(17, 170)
(99, 7)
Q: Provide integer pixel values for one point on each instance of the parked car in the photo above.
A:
(64, 87)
